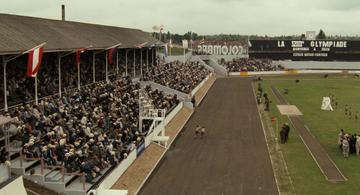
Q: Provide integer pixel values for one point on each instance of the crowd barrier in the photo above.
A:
(196, 89)
(167, 90)
(293, 72)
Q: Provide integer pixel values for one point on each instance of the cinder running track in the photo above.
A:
(231, 159)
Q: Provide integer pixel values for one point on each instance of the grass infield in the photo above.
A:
(307, 96)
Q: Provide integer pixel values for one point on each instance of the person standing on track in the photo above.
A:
(203, 131)
(197, 131)
(357, 145)
(345, 146)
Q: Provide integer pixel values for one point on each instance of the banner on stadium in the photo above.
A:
(222, 49)
(306, 49)
(140, 148)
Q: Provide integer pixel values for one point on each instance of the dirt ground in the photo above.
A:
(231, 159)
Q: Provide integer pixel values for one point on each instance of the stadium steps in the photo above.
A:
(75, 186)
(219, 69)
(54, 175)
(27, 165)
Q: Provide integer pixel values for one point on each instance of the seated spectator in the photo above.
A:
(250, 65)
(177, 75)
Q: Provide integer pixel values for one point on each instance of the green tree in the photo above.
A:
(321, 35)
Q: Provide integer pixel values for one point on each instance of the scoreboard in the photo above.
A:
(306, 50)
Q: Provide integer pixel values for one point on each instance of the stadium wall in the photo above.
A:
(292, 72)
(16, 187)
(221, 70)
(196, 89)
(318, 65)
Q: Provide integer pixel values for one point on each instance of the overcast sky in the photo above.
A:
(271, 17)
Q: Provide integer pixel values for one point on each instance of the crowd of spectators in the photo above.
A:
(86, 130)
(349, 143)
(21, 88)
(160, 100)
(183, 77)
(93, 128)
(247, 64)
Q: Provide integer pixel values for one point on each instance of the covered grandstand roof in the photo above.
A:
(20, 33)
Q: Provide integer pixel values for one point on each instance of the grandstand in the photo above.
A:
(86, 126)
(108, 113)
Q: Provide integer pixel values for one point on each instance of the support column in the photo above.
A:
(5, 88)
(152, 56)
(117, 63)
(126, 63)
(78, 74)
(106, 68)
(36, 92)
(134, 63)
(141, 62)
(94, 67)
(59, 66)
(147, 60)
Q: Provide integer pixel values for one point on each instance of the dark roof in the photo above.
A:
(20, 33)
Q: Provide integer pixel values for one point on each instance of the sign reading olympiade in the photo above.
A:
(317, 44)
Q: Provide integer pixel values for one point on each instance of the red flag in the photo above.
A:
(34, 60)
(111, 54)
(78, 56)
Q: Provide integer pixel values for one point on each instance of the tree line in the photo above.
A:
(177, 38)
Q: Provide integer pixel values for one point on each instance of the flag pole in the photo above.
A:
(184, 55)
(141, 62)
(5, 88)
(78, 74)
(36, 91)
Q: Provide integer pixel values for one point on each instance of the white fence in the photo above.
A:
(292, 72)
(196, 89)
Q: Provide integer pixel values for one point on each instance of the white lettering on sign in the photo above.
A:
(297, 43)
(281, 43)
(327, 44)
(222, 49)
